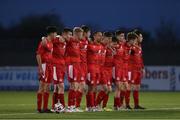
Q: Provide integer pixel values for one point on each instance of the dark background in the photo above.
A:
(23, 23)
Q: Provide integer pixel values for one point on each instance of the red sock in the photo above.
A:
(122, 95)
(87, 100)
(94, 94)
(91, 99)
(78, 98)
(71, 97)
(61, 99)
(54, 99)
(127, 97)
(100, 97)
(39, 101)
(136, 97)
(46, 98)
(117, 102)
(105, 100)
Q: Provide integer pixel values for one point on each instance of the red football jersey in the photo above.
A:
(83, 50)
(94, 53)
(119, 56)
(103, 55)
(137, 57)
(109, 57)
(45, 51)
(73, 51)
(58, 51)
(127, 55)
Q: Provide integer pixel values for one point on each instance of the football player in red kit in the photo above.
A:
(106, 72)
(59, 46)
(45, 69)
(83, 71)
(118, 68)
(73, 62)
(127, 66)
(137, 68)
(93, 61)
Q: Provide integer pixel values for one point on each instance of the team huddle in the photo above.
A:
(92, 66)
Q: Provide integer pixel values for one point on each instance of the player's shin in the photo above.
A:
(55, 96)
(46, 97)
(39, 101)
(136, 97)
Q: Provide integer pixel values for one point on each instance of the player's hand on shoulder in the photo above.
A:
(60, 38)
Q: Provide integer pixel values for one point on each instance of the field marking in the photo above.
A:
(16, 104)
(4, 114)
(151, 109)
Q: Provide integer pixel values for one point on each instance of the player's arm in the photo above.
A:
(39, 61)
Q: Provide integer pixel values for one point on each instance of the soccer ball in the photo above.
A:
(58, 108)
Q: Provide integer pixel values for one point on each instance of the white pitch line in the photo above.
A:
(4, 114)
(16, 104)
(151, 109)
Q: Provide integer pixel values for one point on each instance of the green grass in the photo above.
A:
(160, 105)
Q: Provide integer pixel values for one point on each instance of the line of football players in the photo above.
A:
(92, 65)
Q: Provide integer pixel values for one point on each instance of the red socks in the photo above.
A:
(39, 101)
(100, 97)
(136, 97)
(87, 100)
(105, 100)
(91, 99)
(122, 95)
(78, 98)
(54, 99)
(71, 97)
(117, 102)
(45, 97)
(61, 99)
(127, 97)
(94, 93)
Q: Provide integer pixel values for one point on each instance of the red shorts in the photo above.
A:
(119, 74)
(59, 73)
(48, 73)
(83, 72)
(93, 75)
(73, 71)
(106, 76)
(136, 77)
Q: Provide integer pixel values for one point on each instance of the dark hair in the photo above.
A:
(114, 39)
(118, 32)
(107, 34)
(65, 30)
(96, 32)
(85, 28)
(51, 29)
(131, 36)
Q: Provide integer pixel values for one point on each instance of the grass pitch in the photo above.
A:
(160, 105)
